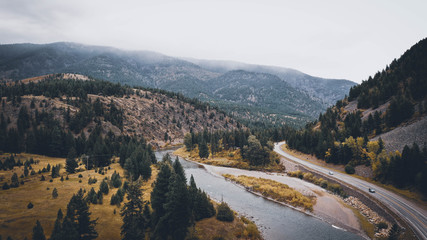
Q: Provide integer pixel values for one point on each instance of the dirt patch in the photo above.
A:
(364, 171)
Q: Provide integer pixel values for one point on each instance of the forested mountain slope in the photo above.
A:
(297, 97)
(392, 104)
(43, 115)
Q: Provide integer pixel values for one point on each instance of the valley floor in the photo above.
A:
(328, 207)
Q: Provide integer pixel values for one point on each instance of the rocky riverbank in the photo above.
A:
(372, 216)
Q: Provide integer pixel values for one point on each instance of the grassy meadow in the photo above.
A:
(275, 190)
(17, 221)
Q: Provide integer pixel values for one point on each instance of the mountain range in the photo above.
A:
(252, 92)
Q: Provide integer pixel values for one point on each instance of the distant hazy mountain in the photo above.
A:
(324, 91)
(249, 91)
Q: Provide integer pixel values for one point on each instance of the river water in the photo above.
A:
(275, 221)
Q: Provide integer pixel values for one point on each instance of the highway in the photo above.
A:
(415, 216)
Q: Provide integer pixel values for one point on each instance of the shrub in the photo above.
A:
(382, 225)
(30, 205)
(324, 184)
(115, 199)
(252, 231)
(92, 180)
(349, 169)
(116, 180)
(224, 213)
(104, 187)
(92, 197)
(80, 175)
(308, 177)
(335, 188)
(42, 178)
(55, 193)
(5, 186)
(15, 181)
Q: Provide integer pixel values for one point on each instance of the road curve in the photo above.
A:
(415, 216)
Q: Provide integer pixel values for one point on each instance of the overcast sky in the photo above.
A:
(324, 38)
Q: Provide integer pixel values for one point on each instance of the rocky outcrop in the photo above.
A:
(371, 215)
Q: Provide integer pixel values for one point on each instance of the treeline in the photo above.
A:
(173, 202)
(255, 145)
(347, 146)
(403, 170)
(42, 133)
(405, 77)
(46, 136)
(136, 158)
(343, 138)
(55, 86)
(319, 136)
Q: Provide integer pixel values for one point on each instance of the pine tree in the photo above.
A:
(203, 207)
(78, 213)
(203, 150)
(176, 220)
(192, 192)
(224, 213)
(69, 230)
(104, 187)
(26, 171)
(146, 214)
(15, 181)
(38, 233)
(167, 158)
(71, 163)
(59, 215)
(55, 193)
(57, 233)
(138, 164)
(158, 195)
(133, 221)
(188, 142)
(179, 170)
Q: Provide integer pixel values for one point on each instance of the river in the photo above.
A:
(275, 221)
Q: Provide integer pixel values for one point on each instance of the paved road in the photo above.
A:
(415, 216)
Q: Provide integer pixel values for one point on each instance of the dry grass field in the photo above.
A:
(211, 228)
(17, 221)
(275, 190)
